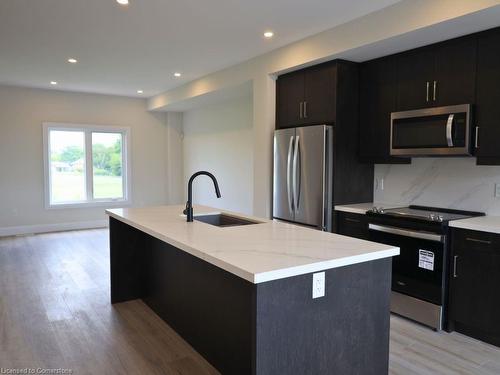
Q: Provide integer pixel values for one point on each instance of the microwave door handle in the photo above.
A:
(449, 130)
(288, 175)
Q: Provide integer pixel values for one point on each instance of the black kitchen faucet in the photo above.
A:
(188, 211)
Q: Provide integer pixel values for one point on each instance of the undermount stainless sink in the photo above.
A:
(223, 220)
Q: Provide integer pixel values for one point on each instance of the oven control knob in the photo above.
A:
(375, 210)
(432, 217)
(381, 210)
(440, 218)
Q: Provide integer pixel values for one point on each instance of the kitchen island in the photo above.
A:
(260, 299)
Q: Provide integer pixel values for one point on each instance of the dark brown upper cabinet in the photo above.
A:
(488, 99)
(415, 70)
(456, 65)
(306, 97)
(438, 75)
(289, 99)
(377, 95)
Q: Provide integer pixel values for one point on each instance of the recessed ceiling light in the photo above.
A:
(53, 83)
(72, 60)
(122, 2)
(140, 91)
(177, 74)
(268, 34)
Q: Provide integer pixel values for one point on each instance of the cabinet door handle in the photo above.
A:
(427, 91)
(477, 137)
(305, 109)
(352, 220)
(301, 109)
(455, 258)
(478, 241)
(434, 87)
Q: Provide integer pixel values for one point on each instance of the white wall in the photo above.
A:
(175, 165)
(219, 138)
(440, 182)
(407, 24)
(22, 112)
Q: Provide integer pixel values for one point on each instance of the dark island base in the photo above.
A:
(259, 329)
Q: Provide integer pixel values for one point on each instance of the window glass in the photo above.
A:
(67, 166)
(85, 165)
(107, 163)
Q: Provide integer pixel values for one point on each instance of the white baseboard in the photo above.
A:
(46, 228)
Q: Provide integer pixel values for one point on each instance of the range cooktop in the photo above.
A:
(424, 213)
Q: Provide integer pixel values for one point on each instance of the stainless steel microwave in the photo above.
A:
(439, 131)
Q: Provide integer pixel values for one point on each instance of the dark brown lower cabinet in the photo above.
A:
(351, 224)
(475, 285)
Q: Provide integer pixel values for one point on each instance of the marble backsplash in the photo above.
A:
(440, 182)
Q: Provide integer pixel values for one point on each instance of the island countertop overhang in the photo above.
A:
(269, 250)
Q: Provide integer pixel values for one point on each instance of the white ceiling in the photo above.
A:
(123, 49)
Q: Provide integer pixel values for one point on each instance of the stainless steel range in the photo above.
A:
(420, 274)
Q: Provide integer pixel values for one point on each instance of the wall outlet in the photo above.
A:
(318, 287)
(379, 184)
(496, 194)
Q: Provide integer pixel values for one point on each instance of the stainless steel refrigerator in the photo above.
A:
(303, 176)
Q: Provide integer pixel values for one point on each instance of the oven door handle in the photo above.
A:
(407, 233)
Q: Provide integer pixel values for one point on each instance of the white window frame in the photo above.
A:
(88, 130)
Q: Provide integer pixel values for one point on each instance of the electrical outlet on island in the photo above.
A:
(318, 287)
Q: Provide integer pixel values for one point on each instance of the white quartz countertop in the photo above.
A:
(258, 253)
(361, 208)
(489, 224)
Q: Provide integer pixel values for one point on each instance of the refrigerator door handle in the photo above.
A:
(324, 176)
(296, 170)
(288, 175)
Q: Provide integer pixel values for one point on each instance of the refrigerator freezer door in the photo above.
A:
(310, 174)
(283, 204)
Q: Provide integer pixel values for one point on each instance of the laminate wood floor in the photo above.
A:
(55, 313)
